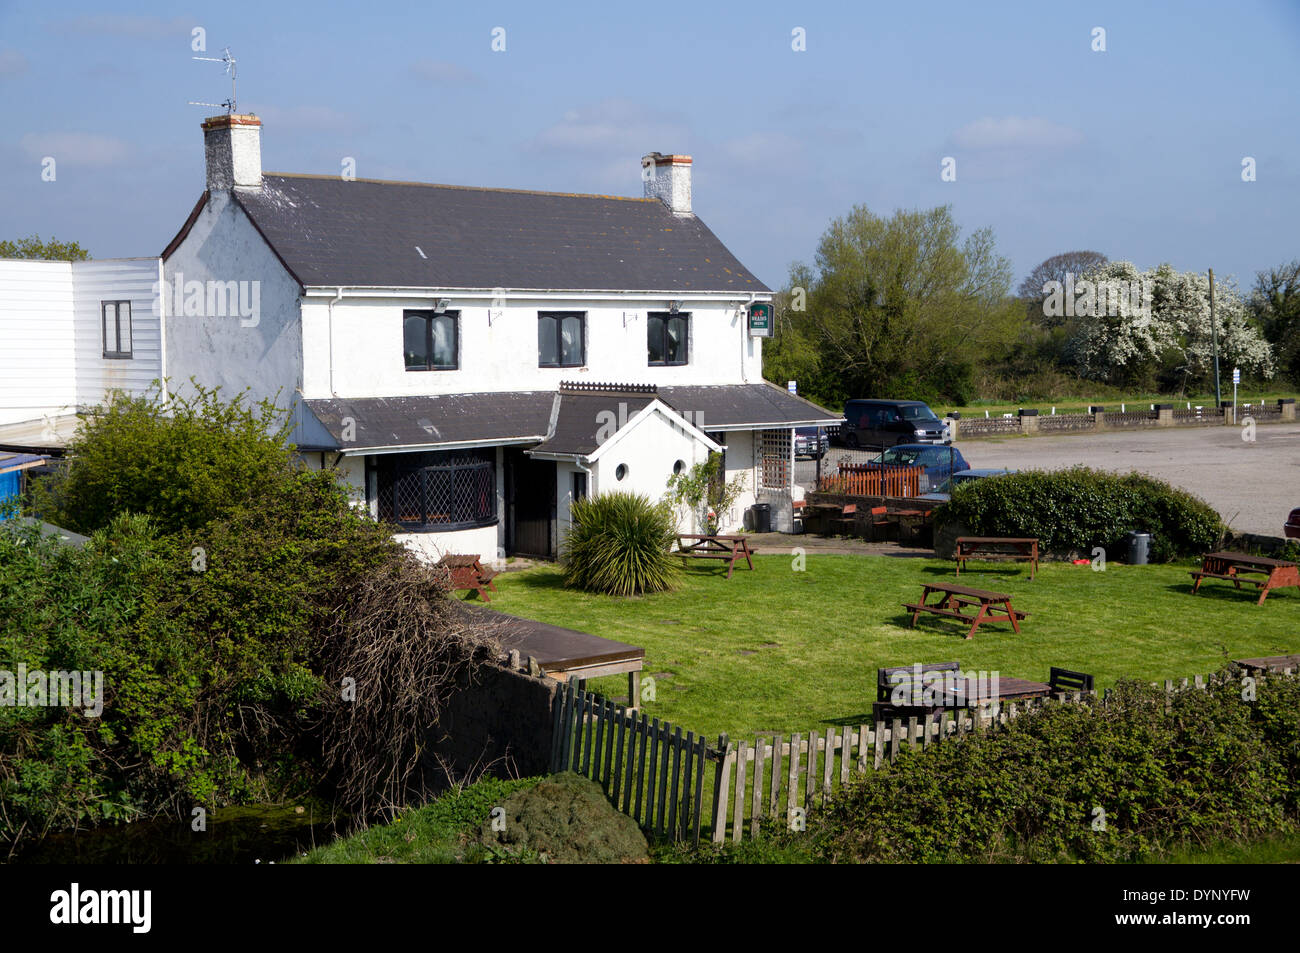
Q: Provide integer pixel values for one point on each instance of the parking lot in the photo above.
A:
(1252, 485)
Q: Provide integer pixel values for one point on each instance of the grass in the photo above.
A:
(780, 650)
(440, 832)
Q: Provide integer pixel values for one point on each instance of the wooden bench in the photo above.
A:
(1064, 680)
(465, 572)
(886, 707)
(1261, 572)
(1024, 549)
(704, 546)
(953, 598)
(953, 693)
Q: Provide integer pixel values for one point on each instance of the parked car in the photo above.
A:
(940, 463)
(811, 442)
(1291, 530)
(886, 423)
(944, 492)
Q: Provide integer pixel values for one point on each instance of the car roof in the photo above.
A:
(884, 400)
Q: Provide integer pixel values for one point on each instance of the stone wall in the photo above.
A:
(1029, 422)
(500, 725)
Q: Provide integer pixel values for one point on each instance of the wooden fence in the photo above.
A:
(678, 785)
(865, 479)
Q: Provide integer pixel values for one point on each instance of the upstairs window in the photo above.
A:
(560, 339)
(667, 336)
(430, 340)
(116, 322)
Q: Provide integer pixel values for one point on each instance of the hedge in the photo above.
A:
(1075, 510)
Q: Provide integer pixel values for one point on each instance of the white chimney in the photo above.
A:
(668, 179)
(232, 146)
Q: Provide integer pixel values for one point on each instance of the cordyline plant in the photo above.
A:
(619, 544)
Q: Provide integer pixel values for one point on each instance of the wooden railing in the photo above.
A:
(866, 479)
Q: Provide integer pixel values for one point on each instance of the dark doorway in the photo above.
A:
(530, 505)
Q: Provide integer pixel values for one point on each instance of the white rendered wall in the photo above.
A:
(263, 352)
(367, 361)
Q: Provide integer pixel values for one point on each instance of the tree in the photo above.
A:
(1076, 263)
(1152, 329)
(901, 307)
(33, 247)
(1275, 304)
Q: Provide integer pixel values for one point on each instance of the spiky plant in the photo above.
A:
(618, 544)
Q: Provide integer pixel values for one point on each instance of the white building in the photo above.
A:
(471, 360)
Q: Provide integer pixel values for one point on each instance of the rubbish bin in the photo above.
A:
(1139, 548)
(761, 517)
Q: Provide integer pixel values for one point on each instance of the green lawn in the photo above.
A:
(780, 650)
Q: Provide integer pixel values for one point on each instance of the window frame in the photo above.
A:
(663, 317)
(429, 317)
(559, 337)
(391, 468)
(116, 353)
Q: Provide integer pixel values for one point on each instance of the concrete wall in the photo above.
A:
(262, 352)
(501, 724)
(499, 353)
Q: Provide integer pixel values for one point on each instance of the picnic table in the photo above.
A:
(706, 546)
(954, 600)
(956, 691)
(912, 520)
(467, 572)
(997, 547)
(1259, 571)
(1270, 663)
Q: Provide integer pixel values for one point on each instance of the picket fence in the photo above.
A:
(676, 784)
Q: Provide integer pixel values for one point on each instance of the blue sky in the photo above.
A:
(1135, 151)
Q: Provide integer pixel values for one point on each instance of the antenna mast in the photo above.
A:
(229, 60)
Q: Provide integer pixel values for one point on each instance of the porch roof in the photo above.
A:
(405, 423)
(745, 407)
(579, 421)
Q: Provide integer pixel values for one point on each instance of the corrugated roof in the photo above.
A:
(363, 233)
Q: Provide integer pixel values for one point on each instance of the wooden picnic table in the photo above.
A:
(706, 546)
(1259, 571)
(953, 600)
(467, 572)
(913, 519)
(997, 547)
(965, 692)
(1270, 663)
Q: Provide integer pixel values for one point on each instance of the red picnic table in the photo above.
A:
(467, 572)
(1240, 567)
(706, 546)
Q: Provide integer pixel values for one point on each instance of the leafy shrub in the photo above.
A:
(1207, 767)
(1076, 509)
(619, 544)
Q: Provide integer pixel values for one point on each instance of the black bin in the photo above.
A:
(760, 515)
(1139, 548)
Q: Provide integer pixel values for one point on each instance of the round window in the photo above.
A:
(621, 472)
(679, 466)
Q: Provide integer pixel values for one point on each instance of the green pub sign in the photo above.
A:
(760, 320)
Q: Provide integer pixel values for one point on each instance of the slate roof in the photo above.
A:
(745, 406)
(364, 233)
(579, 420)
(518, 416)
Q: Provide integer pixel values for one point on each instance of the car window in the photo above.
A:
(904, 458)
(918, 412)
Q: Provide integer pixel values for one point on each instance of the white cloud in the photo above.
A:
(12, 63)
(444, 73)
(614, 127)
(1013, 132)
(75, 148)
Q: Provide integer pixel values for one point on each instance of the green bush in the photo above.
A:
(1092, 782)
(1077, 509)
(619, 544)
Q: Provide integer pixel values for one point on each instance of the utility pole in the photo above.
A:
(1214, 330)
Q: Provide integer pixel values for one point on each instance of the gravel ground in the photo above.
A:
(1252, 485)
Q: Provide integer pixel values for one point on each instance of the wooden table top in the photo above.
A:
(1270, 663)
(982, 594)
(458, 561)
(1244, 559)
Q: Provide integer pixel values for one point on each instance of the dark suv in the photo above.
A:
(885, 423)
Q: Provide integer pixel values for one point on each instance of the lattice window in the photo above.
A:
(451, 489)
(775, 466)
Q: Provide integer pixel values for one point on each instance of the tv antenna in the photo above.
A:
(226, 58)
